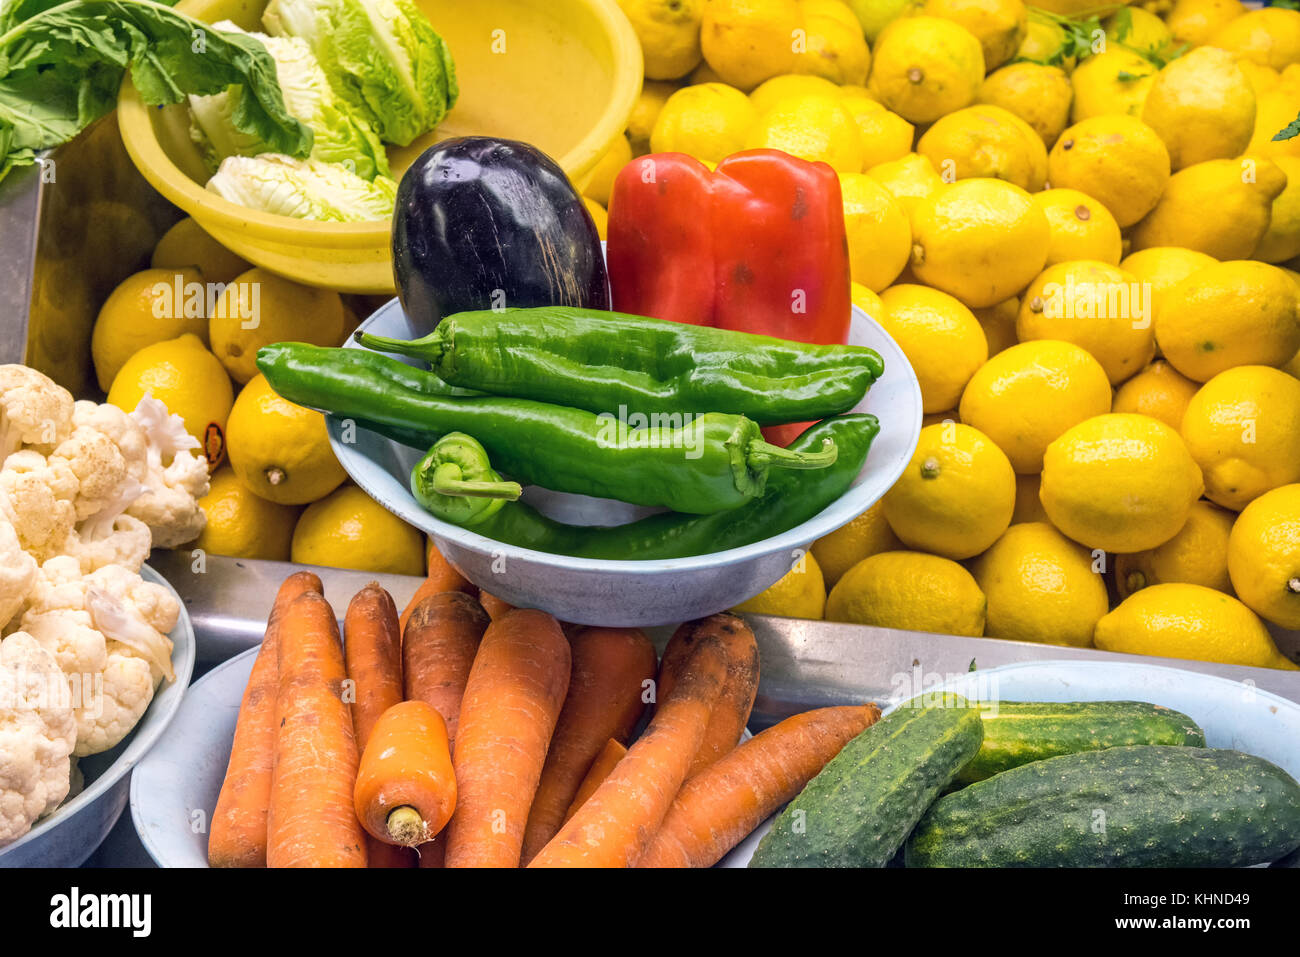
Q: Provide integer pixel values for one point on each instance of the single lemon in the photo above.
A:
(1160, 268)
(748, 41)
(1028, 506)
(956, 495)
(709, 121)
(885, 136)
(986, 141)
(867, 301)
(909, 179)
(1159, 391)
(1202, 106)
(1047, 44)
(279, 450)
(1233, 313)
(349, 529)
(833, 44)
(147, 307)
(1082, 227)
(1274, 110)
(1119, 482)
(799, 593)
(187, 378)
(867, 535)
(770, 92)
(1262, 79)
(669, 31)
(599, 216)
(599, 183)
(1264, 556)
(1281, 241)
(1270, 37)
(999, 324)
(1141, 31)
(1040, 587)
(1025, 397)
(1193, 22)
(1118, 160)
(1111, 83)
(1197, 555)
(187, 244)
(912, 591)
(879, 237)
(1040, 95)
(1189, 621)
(1096, 306)
(1241, 428)
(654, 94)
(999, 25)
(982, 240)
(941, 338)
(926, 67)
(813, 127)
(875, 15)
(242, 524)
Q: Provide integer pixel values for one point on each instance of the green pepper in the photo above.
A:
(455, 481)
(602, 361)
(710, 463)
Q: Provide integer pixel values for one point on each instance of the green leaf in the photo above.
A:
(1290, 131)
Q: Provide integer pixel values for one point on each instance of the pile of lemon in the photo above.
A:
(1076, 222)
(187, 331)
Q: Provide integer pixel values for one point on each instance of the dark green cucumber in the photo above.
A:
(858, 811)
(1141, 806)
(1017, 732)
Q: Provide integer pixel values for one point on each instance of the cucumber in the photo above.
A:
(1017, 732)
(1140, 806)
(858, 811)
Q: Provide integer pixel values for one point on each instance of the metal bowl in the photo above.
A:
(635, 593)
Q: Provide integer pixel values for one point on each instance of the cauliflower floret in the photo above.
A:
(153, 603)
(124, 541)
(38, 496)
(176, 477)
(101, 470)
(37, 735)
(127, 690)
(17, 573)
(34, 411)
(123, 430)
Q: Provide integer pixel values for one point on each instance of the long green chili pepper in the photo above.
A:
(455, 481)
(708, 463)
(601, 361)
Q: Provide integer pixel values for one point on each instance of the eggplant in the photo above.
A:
(485, 223)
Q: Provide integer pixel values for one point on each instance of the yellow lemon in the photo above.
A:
(709, 121)
(1241, 428)
(1160, 268)
(1111, 83)
(1270, 37)
(1096, 306)
(1079, 8)
(982, 240)
(1202, 106)
(1025, 397)
(1028, 506)
(598, 216)
(187, 378)
(600, 181)
(1159, 391)
(1230, 314)
(669, 31)
(880, 239)
(654, 94)
(1281, 241)
(925, 67)
(999, 25)
(867, 301)
(770, 92)
(1189, 621)
(885, 136)
(186, 244)
(748, 41)
(812, 127)
(349, 529)
(1262, 79)
(941, 338)
(866, 535)
(1239, 191)
(912, 591)
(260, 308)
(242, 524)
(799, 593)
(1040, 587)
(986, 141)
(909, 179)
(1119, 482)
(1118, 160)
(1040, 95)
(956, 495)
(1141, 31)
(1197, 555)
(147, 307)
(1082, 227)
(833, 44)
(875, 15)
(1046, 44)
(1274, 110)
(279, 450)
(1264, 556)
(999, 324)
(1193, 22)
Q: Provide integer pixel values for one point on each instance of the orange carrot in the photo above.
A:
(238, 837)
(406, 790)
(311, 821)
(732, 713)
(442, 577)
(438, 648)
(614, 826)
(609, 756)
(715, 810)
(494, 606)
(512, 700)
(612, 670)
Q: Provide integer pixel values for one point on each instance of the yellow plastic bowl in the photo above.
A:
(563, 75)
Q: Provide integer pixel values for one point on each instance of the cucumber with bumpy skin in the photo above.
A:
(1017, 732)
(858, 811)
(1141, 806)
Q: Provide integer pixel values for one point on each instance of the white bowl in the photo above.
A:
(1233, 714)
(70, 835)
(635, 593)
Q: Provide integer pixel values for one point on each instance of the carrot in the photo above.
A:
(512, 700)
(406, 789)
(442, 577)
(609, 756)
(732, 713)
(238, 836)
(311, 822)
(612, 669)
(715, 810)
(494, 606)
(614, 826)
(434, 853)
(438, 648)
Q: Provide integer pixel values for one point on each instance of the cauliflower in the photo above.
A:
(121, 429)
(37, 734)
(123, 541)
(38, 496)
(34, 411)
(17, 573)
(101, 469)
(176, 478)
